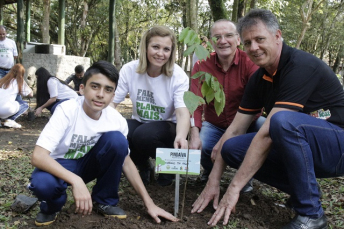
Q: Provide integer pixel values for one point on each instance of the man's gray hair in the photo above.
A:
(254, 17)
(220, 20)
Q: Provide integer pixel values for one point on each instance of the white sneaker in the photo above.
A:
(12, 124)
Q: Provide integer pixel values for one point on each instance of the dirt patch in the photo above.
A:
(258, 209)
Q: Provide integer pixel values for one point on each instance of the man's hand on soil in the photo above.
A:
(225, 208)
(211, 191)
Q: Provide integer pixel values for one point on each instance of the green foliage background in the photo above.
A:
(323, 37)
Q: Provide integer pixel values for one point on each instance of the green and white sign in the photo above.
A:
(174, 161)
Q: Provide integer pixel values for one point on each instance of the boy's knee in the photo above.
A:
(45, 186)
(115, 140)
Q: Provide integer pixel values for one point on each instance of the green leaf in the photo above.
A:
(194, 39)
(209, 46)
(220, 105)
(218, 95)
(201, 52)
(212, 79)
(189, 50)
(205, 88)
(197, 74)
(223, 100)
(215, 85)
(192, 101)
(217, 106)
(189, 36)
(208, 78)
(209, 96)
(183, 34)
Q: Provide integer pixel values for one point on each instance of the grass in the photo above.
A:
(232, 224)
(15, 171)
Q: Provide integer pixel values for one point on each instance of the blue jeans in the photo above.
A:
(3, 73)
(23, 106)
(211, 134)
(103, 162)
(304, 148)
(53, 106)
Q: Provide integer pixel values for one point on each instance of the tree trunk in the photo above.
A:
(84, 37)
(241, 8)
(306, 12)
(45, 24)
(218, 9)
(118, 61)
(193, 15)
(180, 44)
(235, 11)
(253, 4)
(339, 57)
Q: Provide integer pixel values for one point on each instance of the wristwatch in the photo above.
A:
(192, 122)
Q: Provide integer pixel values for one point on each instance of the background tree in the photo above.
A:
(218, 9)
(306, 11)
(320, 33)
(45, 22)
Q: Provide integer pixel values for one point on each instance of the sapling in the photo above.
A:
(211, 89)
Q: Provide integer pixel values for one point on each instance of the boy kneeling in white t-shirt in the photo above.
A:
(86, 140)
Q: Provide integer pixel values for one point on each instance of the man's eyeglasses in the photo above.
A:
(226, 36)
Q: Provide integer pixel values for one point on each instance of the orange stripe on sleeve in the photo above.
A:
(245, 109)
(290, 104)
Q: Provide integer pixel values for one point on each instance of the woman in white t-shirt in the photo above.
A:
(156, 86)
(11, 85)
(51, 91)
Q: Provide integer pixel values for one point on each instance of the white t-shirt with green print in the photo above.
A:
(70, 133)
(153, 98)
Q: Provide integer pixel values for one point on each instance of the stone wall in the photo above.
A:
(61, 66)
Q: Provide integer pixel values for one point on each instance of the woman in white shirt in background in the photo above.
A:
(11, 85)
(51, 91)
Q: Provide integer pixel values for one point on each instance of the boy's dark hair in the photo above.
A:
(103, 67)
(79, 69)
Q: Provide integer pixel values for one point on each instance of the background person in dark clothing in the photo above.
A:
(76, 77)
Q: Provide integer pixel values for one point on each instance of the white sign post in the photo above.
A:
(175, 161)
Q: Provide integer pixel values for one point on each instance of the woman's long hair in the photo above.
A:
(17, 73)
(160, 31)
(42, 94)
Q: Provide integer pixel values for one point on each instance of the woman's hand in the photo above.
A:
(38, 111)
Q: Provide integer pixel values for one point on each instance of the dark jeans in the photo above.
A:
(304, 148)
(144, 138)
(53, 106)
(211, 134)
(103, 162)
